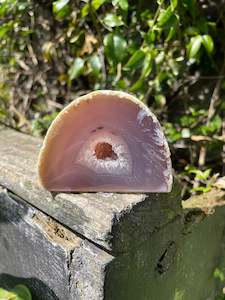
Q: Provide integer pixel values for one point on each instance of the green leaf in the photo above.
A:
(195, 45)
(202, 189)
(208, 43)
(5, 28)
(3, 8)
(78, 38)
(76, 69)
(96, 4)
(185, 132)
(173, 4)
(112, 20)
(23, 292)
(115, 47)
(6, 295)
(151, 36)
(219, 274)
(160, 100)
(188, 120)
(213, 127)
(85, 10)
(122, 3)
(179, 294)
(164, 16)
(121, 84)
(95, 64)
(59, 4)
(215, 124)
(171, 34)
(3, 31)
(137, 85)
(147, 65)
(171, 25)
(160, 57)
(204, 175)
(20, 292)
(135, 60)
(39, 126)
(172, 133)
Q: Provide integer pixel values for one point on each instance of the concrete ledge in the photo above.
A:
(105, 245)
(50, 259)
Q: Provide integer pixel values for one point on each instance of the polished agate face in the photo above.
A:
(105, 141)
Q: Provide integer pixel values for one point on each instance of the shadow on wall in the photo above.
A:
(39, 290)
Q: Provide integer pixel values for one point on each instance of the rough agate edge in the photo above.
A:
(105, 141)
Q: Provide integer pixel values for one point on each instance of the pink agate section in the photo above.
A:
(105, 143)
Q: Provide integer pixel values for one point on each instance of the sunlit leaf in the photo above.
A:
(147, 65)
(171, 34)
(195, 45)
(202, 189)
(164, 16)
(76, 69)
(205, 174)
(85, 10)
(5, 28)
(137, 85)
(208, 43)
(219, 274)
(173, 4)
(59, 4)
(4, 294)
(160, 100)
(185, 133)
(96, 4)
(78, 38)
(214, 126)
(160, 58)
(135, 60)
(20, 292)
(3, 8)
(122, 3)
(112, 20)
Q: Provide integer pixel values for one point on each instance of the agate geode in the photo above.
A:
(105, 141)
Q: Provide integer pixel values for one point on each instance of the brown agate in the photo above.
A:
(105, 141)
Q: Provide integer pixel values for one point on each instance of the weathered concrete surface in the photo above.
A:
(176, 262)
(51, 260)
(161, 249)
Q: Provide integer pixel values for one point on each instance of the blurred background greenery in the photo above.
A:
(171, 54)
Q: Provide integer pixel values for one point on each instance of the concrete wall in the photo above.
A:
(104, 245)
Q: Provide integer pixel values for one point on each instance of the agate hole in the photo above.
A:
(104, 150)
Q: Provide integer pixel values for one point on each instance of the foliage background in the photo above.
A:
(171, 54)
